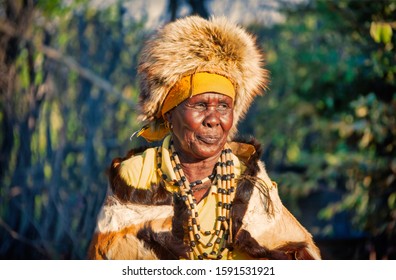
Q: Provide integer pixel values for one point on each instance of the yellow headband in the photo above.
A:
(185, 88)
(195, 84)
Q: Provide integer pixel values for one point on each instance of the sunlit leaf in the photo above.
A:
(392, 201)
(381, 32)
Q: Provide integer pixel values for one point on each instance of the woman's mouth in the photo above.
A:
(208, 139)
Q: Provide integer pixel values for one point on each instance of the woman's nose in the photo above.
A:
(212, 118)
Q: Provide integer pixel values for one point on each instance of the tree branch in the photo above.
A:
(68, 61)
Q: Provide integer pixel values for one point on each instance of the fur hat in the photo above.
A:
(193, 44)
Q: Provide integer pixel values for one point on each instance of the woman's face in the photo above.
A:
(201, 125)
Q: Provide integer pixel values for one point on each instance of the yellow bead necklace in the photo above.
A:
(220, 243)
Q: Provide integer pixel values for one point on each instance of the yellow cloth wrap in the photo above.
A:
(185, 88)
(154, 131)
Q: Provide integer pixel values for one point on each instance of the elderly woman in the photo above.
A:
(197, 194)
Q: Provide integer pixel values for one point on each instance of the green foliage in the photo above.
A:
(75, 127)
(328, 121)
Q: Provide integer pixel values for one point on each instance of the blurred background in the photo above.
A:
(68, 94)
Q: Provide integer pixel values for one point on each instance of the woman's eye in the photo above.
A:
(200, 106)
(223, 107)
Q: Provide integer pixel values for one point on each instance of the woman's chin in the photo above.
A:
(206, 151)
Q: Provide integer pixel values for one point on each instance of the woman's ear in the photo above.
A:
(168, 117)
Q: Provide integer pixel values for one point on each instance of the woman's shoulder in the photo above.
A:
(134, 157)
(247, 149)
(135, 170)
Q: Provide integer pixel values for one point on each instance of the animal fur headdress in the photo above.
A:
(193, 45)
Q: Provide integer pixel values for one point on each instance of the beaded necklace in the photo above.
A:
(220, 242)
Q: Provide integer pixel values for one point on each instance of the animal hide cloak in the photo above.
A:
(147, 224)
